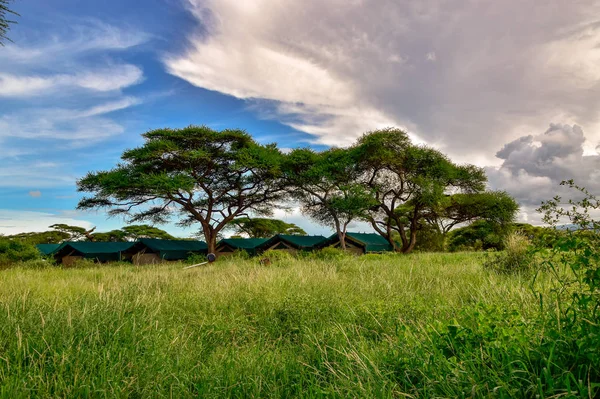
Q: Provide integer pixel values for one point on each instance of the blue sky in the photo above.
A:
(517, 94)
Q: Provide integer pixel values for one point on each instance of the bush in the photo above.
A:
(480, 235)
(330, 253)
(517, 257)
(278, 257)
(12, 251)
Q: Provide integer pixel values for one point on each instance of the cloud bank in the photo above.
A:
(466, 76)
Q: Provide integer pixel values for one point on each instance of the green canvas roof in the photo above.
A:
(103, 251)
(47, 249)
(243, 243)
(372, 242)
(298, 242)
(174, 249)
(173, 245)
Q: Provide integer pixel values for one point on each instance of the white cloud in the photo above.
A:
(335, 69)
(82, 127)
(115, 78)
(15, 221)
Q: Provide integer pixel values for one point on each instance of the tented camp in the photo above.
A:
(291, 243)
(47, 249)
(152, 250)
(228, 246)
(359, 243)
(70, 252)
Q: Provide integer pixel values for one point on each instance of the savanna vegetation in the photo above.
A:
(519, 320)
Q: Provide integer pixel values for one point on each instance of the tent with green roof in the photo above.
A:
(71, 251)
(291, 243)
(360, 243)
(47, 249)
(169, 249)
(228, 246)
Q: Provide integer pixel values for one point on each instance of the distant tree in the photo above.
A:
(5, 22)
(406, 181)
(263, 227)
(199, 174)
(324, 183)
(479, 235)
(109, 236)
(452, 210)
(46, 237)
(75, 233)
(134, 232)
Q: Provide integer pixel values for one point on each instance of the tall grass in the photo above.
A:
(423, 325)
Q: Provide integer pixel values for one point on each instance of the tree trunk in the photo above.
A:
(412, 242)
(341, 234)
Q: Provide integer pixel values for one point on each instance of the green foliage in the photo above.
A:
(263, 227)
(409, 183)
(450, 210)
(330, 254)
(430, 239)
(278, 257)
(419, 325)
(14, 250)
(75, 233)
(196, 173)
(109, 236)
(477, 236)
(573, 262)
(517, 257)
(46, 237)
(325, 185)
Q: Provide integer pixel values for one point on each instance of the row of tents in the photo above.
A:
(150, 251)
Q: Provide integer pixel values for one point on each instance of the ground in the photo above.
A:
(371, 326)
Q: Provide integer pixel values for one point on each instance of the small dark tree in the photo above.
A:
(199, 174)
(5, 22)
(263, 227)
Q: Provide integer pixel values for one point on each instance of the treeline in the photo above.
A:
(197, 175)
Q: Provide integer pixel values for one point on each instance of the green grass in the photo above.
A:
(422, 325)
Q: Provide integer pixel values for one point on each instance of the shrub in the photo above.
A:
(278, 257)
(330, 253)
(517, 257)
(12, 251)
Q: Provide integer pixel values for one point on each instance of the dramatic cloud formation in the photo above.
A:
(466, 76)
(534, 165)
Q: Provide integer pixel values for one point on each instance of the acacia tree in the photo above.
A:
(5, 23)
(263, 227)
(493, 206)
(196, 173)
(75, 233)
(325, 185)
(407, 180)
(134, 232)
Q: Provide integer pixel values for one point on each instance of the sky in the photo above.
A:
(512, 86)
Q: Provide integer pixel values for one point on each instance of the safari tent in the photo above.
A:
(152, 250)
(47, 249)
(70, 252)
(291, 243)
(359, 243)
(228, 246)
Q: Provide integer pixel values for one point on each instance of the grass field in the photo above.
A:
(423, 325)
